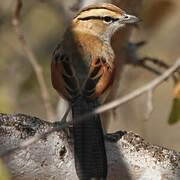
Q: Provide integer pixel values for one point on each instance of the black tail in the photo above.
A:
(89, 148)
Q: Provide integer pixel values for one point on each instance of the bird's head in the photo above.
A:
(102, 19)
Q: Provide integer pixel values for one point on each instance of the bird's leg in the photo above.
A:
(64, 122)
(114, 137)
(64, 119)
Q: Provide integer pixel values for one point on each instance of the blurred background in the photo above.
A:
(43, 25)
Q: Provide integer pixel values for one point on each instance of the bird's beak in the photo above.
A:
(130, 19)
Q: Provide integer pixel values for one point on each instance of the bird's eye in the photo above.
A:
(107, 19)
(126, 17)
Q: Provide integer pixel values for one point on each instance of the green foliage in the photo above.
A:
(3, 172)
(175, 112)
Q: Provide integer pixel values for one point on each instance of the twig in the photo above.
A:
(149, 104)
(133, 58)
(52, 158)
(149, 87)
(60, 126)
(31, 57)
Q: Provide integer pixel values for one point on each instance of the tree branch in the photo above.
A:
(129, 155)
(32, 59)
(55, 127)
(103, 108)
(148, 87)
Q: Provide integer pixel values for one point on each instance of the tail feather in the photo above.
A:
(89, 148)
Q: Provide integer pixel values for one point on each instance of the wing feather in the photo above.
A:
(99, 78)
(62, 74)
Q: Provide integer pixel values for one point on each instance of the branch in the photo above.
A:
(129, 155)
(61, 125)
(57, 127)
(32, 59)
(146, 88)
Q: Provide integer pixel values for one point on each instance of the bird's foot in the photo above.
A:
(114, 137)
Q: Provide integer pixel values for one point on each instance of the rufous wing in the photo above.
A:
(99, 79)
(62, 75)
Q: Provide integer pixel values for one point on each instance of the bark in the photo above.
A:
(129, 155)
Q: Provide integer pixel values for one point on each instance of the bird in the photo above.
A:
(82, 72)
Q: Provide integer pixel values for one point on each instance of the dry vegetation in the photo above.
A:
(43, 27)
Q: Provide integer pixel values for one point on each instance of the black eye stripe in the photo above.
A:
(109, 18)
(105, 18)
